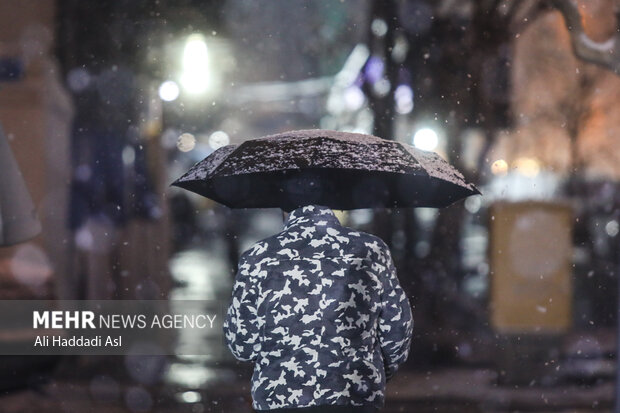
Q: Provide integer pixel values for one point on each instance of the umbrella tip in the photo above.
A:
(179, 181)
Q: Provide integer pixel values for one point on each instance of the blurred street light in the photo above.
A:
(382, 87)
(403, 95)
(529, 167)
(499, 167)
(196, 76)
(218, 139)
(425, 139)
(353, 98)
(186, 142)
(169, 91)
(612, 228)
(473, 204)
(379, 27)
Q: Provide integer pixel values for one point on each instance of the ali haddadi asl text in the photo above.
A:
(78, 341)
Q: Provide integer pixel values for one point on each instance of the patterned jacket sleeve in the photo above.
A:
(395, 319)
(241, 326)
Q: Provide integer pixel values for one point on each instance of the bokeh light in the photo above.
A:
(499, 167)
(190, 397)
(30, 265)
(379, 27)
(473, 204)
(425, 139)
(529, 167)
(403, 95)
(218, 139)
(186, 142)
(78, 79)
(169, 91)
(382, 87)
(354, 98)
(612, 228)
(196, 74)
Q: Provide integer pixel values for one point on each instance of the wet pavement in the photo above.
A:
(477, 390)
(217, 383)
(448, 390)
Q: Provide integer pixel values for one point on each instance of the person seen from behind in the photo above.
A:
(319, 310)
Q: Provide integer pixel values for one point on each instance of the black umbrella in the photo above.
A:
(336, 169)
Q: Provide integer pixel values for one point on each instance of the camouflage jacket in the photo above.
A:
(319, 309)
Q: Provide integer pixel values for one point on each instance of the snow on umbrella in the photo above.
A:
(337, 169)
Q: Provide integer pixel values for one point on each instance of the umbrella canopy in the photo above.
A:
(18, 220)
(337, 169)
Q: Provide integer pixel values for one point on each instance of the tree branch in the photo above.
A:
(605, 54)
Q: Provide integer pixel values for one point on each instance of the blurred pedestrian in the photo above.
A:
(318, 308)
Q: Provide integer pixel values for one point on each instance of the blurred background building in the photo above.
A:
(105, 103)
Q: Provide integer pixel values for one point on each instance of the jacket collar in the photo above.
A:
(313, 213)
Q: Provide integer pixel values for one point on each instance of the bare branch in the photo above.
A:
(606, 54)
